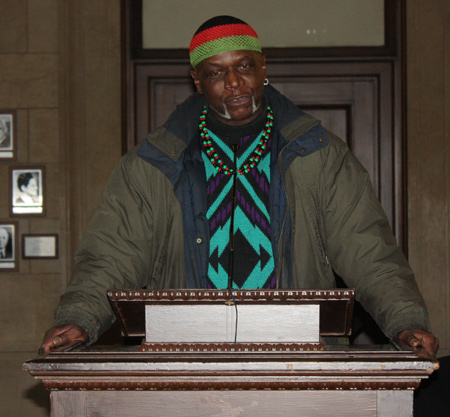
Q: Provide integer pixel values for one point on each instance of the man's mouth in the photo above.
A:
(238, 101)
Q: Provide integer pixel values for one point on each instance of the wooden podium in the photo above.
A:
(238, 320)
(249, 378)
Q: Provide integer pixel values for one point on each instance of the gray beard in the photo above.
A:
(226, 115)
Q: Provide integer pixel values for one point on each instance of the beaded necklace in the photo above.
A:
(253, 158)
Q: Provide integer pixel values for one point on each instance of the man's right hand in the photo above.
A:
(62, 337)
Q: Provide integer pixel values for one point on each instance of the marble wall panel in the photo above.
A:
(93, 123)
(44, 136)
(101, 50)
(28, 81)
(22, 139)
(54, 190)
(20, 393)
(24, 265)
(4, 192)
(13, 24)
(31, 71)
(43, 26)
(27, 303)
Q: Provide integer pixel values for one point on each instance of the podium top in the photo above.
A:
(336, 305)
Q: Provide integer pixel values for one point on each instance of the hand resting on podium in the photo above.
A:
(422, 343)
(62, 338)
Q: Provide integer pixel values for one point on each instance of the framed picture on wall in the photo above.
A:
(39, 246)
(8, 246)
(27, 190)
(7, 134)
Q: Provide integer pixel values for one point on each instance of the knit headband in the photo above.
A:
(222, 34)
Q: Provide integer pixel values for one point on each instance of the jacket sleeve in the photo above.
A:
(364, 252)
(114, 253)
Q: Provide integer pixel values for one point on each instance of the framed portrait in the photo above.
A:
(8, 246)
(27, 190)
(7, 134)
(39, 246)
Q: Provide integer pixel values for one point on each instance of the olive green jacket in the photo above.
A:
(150, 230)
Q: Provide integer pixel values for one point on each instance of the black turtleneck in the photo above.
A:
(232, 135)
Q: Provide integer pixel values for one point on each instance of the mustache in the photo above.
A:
(225, 113)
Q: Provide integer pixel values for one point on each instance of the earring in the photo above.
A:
(266, 81)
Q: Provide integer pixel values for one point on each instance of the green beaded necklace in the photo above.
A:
(254, 157)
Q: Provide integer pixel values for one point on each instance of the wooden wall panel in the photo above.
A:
(91, 93)
(428, 140)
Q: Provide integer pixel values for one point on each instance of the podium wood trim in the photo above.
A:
(336, 305)
(318, 370)
(354, 383)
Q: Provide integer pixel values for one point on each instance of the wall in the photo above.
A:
(428, 141)
(60, 71)
(29, 77)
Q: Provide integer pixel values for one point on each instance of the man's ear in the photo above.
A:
(195, 77)
(263, 65)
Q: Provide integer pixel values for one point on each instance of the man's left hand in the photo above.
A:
(422, 343)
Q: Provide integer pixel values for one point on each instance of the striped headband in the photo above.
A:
(222, 34)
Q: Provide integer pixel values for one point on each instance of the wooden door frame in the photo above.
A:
(393, 54)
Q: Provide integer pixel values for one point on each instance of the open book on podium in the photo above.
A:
(190, 321)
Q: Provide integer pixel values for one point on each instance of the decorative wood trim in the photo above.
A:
(220, 296)
(229, 347)
(352, 369)
(167, 385)
(336, 304)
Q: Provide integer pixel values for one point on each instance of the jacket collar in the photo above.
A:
(181, 128)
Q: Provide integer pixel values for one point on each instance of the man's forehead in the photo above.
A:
(230, 57)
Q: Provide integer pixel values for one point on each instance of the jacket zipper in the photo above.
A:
(284, 219)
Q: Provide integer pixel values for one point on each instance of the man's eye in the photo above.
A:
(215, 74)
(244, 67)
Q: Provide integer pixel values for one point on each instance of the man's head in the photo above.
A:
(4, 238)
(229, 69)
(27, 184)
(3, 130)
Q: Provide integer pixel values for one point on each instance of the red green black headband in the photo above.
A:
(222, 34)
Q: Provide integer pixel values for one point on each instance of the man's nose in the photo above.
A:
(233, 80)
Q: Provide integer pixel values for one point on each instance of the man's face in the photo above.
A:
(31, 188)
(233, 85)
(3, 131)
(4, 237)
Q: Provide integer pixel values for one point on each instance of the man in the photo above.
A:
(5, 137)
(5, 249)
(239, 156)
